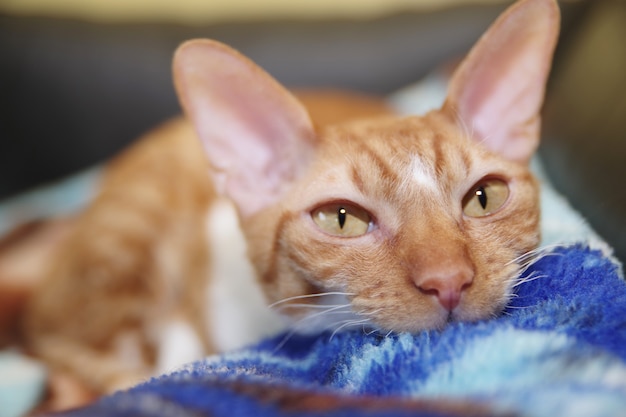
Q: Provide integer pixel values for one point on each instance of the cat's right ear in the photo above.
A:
(257, 135)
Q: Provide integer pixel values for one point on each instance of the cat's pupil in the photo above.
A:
(341, 216)
(486, 197)
(482, 196)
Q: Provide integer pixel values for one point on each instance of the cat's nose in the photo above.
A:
(447, 287)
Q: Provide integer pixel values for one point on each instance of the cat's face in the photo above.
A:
(392, 213)
(416, 221)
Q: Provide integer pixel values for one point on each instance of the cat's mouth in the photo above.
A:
(451, 319)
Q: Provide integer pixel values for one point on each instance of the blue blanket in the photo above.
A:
(558, 350)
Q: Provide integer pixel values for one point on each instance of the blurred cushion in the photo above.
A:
(202, 11)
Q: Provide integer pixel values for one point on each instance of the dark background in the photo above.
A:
(74, 93)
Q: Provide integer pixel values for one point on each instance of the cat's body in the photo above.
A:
(410, 221)
(160, 258)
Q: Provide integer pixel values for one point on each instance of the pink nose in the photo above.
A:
(448, 288)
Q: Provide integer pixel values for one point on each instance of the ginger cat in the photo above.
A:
(349, 215)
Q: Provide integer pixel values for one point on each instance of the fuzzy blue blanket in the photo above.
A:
(558, 350)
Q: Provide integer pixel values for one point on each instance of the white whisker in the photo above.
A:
(518, 308)
(327, 311)
(285, 339)
(372, 331)
(348, 323)
(529, 278)
(307, 296)
(518, 277)
(525, 261)
(311, 306)
(370, 313)
(530, 257)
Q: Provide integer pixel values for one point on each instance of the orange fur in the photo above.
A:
(138, 256)
(110, 272)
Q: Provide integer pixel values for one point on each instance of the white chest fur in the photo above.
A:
(236, 309)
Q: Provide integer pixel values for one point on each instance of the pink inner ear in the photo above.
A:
(257, 136)
(498, 90)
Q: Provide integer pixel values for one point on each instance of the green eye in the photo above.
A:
(345, 220)
(485, 198)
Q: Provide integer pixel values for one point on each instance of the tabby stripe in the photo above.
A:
(466, 160)
(439, 161)
(386, 173)
(357, 179)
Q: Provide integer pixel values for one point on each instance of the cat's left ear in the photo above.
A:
(498, 90)
(257, 135)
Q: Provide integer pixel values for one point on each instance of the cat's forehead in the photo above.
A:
(402, 159)
(427, 151)
(399, 136)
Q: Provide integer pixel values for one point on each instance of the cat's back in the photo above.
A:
(168, 154)
(329, 107)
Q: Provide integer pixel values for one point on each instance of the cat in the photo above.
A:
(327, 207)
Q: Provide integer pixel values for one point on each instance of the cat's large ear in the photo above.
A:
(257, 135)
(498, 90)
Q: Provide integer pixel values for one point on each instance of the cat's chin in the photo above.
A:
(437, 320)
(455, 317)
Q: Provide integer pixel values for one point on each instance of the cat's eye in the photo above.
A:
(345, 220)
(485, 198)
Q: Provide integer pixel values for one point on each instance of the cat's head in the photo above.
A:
(417, 220)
